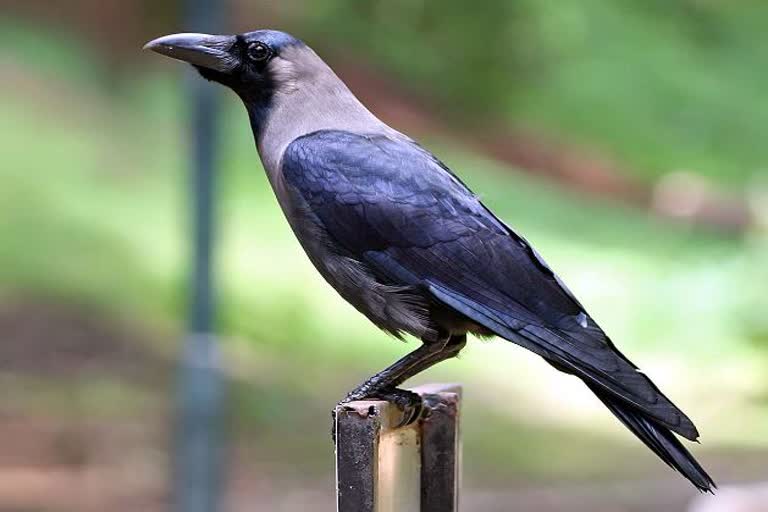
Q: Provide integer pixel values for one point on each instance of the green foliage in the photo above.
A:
(660, 85)
(473, 56)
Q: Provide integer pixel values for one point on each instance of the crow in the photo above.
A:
(404, 240)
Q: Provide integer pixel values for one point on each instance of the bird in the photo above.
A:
(404, 240)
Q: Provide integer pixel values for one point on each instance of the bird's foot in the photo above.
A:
(408, 402)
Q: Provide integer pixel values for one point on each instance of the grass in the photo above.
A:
(92, 203)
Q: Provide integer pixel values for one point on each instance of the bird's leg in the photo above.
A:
(427, 355)
(384, 384)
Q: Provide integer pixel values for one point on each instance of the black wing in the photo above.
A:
(396, 208)
(400, 211)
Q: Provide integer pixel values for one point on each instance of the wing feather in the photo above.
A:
(401, 212)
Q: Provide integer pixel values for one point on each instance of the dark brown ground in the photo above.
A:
(84, 428)
(71, 385)
(56, 340)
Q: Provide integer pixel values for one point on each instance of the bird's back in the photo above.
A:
(402, 217)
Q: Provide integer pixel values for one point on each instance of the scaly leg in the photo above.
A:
(384, 384)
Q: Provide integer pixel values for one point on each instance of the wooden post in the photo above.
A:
(380, 468)
(440, 448)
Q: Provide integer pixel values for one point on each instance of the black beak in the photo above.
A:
(202, 50)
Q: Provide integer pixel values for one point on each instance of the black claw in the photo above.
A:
(408, 402)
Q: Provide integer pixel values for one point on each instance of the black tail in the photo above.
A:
(659, 439)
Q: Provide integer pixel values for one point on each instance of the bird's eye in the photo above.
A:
(259, 52)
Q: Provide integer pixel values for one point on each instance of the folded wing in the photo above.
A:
(401, 212)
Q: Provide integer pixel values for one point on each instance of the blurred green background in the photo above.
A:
(624, 139)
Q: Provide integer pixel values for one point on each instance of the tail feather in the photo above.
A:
(659, 439)
(589, 354)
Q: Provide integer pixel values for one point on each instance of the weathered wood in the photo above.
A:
(440, 448)
(380, 468)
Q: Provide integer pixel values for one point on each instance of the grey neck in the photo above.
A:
(306, 104)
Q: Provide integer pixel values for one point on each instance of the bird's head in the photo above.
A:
(255, 65)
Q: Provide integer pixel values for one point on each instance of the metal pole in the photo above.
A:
(199, 453)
